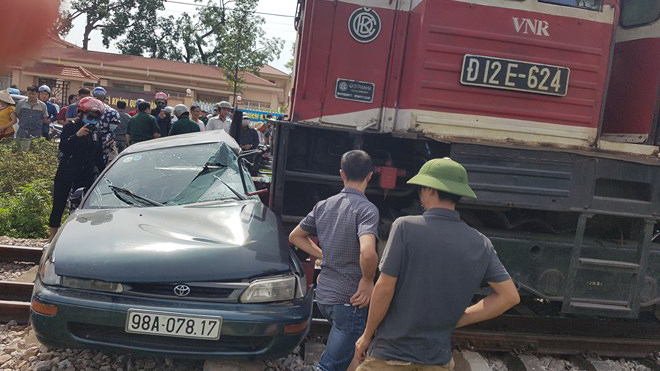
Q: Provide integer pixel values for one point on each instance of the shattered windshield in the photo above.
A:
(171, 176)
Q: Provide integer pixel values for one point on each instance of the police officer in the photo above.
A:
(82, 157)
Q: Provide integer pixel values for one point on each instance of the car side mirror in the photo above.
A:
(77, 197)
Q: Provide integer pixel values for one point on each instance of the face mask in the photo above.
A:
(90, 121)
(161, 104)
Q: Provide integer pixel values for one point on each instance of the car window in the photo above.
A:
(584, 4)
(636, 13)
(171, 176)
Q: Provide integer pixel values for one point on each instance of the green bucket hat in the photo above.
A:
(444, 174)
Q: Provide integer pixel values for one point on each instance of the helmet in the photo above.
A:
(444, 174)
(13, 91)
(260, 126)
(223, 104)
(180, 109)
(99, 93)
(89, 104)
(45, 88)
(161, 95)
(168, 109)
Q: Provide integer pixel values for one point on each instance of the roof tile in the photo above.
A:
(64, 71)
(149, 64)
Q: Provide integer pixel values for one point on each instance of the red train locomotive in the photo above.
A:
(551, 105)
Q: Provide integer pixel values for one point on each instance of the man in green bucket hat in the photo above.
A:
(431, 267)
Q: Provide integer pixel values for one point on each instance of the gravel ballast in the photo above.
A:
(20, 350)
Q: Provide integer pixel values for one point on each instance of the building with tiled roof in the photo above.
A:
(66, 67)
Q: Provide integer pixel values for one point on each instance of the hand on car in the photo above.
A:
(362, 296)
(83, 131)
(361, 346)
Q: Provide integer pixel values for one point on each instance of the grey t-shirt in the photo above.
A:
(439, 262)
(122, 129)
(30, 118)
(339, 222)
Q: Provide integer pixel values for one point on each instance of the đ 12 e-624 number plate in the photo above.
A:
(516, 75)
(173, 324)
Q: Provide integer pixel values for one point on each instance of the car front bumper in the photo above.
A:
(97, 320)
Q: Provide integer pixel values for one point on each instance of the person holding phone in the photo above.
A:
(81, 145)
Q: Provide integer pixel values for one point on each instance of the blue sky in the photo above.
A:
(275, 26)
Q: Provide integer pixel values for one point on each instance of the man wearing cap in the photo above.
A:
(222, 120)
(44, 96)
(431, 267)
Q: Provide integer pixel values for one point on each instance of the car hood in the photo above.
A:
(226, 241)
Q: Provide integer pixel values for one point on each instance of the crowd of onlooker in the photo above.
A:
(91, 133)
(39, 115)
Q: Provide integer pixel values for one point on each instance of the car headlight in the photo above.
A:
(270, 289)
(47, 273)
(96, 285)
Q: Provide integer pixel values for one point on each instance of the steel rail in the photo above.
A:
(551, 336)
(20, 253)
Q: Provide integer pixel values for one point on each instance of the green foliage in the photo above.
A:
(19, 167)
(27, 178)
(245, 47)
(113, 17)
(25, 213)
(214, 34)
(291, 63)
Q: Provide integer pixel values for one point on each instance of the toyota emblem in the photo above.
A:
(181, 290)
(364, 25)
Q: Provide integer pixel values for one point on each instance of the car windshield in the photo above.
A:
(171, 176)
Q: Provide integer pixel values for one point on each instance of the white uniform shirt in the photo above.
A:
(216, 123)
(200, 123)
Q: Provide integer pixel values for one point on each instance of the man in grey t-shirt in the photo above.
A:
(32, 114)
(346, 225)
(432, 266)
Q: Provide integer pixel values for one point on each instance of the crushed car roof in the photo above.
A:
(212, 136)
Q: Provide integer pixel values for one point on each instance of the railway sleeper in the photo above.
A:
(470, 361)
(592, 364)
(523, 362)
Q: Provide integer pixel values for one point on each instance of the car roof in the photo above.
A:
(204, 137)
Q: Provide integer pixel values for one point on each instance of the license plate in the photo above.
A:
(516, 75)
(173, 324)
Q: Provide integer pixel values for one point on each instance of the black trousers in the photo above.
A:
(61, 189)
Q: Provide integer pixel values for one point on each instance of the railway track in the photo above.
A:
(552, 336)
(15, 296)
(508, 333)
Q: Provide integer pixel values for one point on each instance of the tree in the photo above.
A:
(291, 63)
(112, 17)
(227, 34)
(244, 47)
(185, 38)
